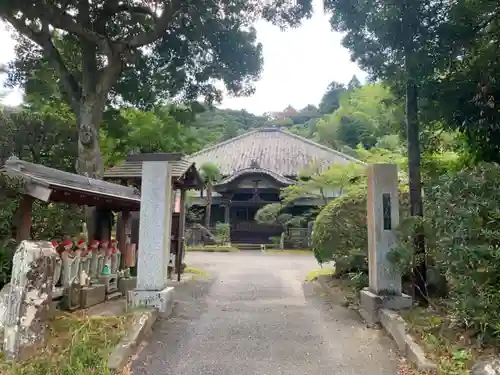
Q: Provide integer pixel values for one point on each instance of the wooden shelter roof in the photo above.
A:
(272, 149)
(53, 185)
(184, 172)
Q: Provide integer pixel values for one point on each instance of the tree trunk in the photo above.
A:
(415, 184)
(90, 162)
(208, 209)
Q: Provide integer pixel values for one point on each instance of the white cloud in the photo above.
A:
(298, 65)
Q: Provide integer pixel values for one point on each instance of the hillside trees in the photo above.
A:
(105, 52)
(364, 116)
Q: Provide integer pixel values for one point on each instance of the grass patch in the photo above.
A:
(214, 249)
(196, 272)
(452, 349)
(78, 345)
(313, 275)
(289, 251)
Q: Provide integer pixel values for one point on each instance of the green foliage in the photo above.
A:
(314, 184)
(340, 233)
(331, 99)
(273, 213)
(340, 227)
(222, 232)
(364, 115)
(461, 228)
(210, 172)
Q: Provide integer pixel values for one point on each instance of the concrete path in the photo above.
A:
(256, 317)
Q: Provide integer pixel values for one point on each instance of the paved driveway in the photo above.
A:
(257, 316)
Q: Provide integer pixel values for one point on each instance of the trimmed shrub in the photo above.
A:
(340, 232)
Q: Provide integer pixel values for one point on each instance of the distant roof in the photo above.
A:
(54, 185)
(132, 168)
(272, 149)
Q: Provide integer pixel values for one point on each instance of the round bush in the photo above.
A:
(340, 232)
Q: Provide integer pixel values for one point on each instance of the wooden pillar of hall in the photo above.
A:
(227, 218)
(182, 228)
(24, 220)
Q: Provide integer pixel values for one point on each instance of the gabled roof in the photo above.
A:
(273, 149)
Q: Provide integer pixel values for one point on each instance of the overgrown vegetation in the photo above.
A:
(78, 344)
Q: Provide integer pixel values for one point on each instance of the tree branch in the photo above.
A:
(161, 25)
(43, 39)
(89, 50)
(62, 20)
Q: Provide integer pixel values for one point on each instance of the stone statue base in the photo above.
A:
(71, 297)
(110, 282)
(92, 295)
(371, 303)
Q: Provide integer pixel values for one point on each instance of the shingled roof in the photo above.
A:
(272, 149)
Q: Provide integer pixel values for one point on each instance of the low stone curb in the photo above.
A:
(141, 327)
(396, 327)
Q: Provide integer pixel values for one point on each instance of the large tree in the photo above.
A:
(140, 52)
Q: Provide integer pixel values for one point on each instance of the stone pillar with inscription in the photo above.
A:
(27, 305)
(385, 290)
(154, 234)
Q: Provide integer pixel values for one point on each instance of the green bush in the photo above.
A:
(340, 227)
(223, 232)
(462, 228)
(340, 232)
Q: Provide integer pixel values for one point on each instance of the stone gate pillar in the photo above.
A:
(385, 289)
(154, 234)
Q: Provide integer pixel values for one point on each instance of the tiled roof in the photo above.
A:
(273, 149)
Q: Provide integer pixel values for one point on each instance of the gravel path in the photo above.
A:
(256, 316)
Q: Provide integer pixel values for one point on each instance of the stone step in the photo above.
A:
(248, 246)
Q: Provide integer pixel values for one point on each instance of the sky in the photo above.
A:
(298, 66)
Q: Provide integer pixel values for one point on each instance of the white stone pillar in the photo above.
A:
(154, 226)
(382, 219)
(385, 290)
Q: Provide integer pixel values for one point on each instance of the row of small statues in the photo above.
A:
(82, 263)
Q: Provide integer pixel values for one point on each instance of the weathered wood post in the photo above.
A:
(154, 234)
(385, 288)
(24, 221)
